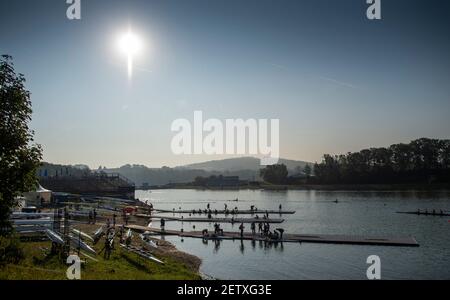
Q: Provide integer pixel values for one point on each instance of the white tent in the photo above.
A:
(39, 197)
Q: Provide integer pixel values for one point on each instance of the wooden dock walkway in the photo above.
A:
(227, 212)
(212, 220)
(289, 238)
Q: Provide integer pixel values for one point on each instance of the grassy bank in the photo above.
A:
(39, 264)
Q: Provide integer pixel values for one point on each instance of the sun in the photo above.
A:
(130, 44)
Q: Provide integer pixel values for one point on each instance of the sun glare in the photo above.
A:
(130, 45)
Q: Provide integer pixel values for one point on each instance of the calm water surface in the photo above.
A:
(357, 213)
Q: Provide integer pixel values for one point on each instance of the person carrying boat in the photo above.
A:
(281, 231)
(253, 227)
(241, 228)
(274, 235)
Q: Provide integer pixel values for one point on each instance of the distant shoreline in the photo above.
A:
(317, 187)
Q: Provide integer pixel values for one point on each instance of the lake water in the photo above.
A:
(357, 213)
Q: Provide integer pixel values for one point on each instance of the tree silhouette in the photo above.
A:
(19, 157)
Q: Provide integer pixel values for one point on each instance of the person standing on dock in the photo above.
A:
(208, 206)
(90, 217)
(280, 207)
(253, 227)
(241, 228)
(163, 224)
(95, 216)
(114, 220)
(260, 227)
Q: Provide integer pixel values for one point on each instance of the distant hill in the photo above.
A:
(241, 163)
(247, 168)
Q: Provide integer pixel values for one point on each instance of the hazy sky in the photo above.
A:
(337, 81)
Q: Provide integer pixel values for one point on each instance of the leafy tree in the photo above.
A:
(19, 156)
(276, 174)
(421, 161)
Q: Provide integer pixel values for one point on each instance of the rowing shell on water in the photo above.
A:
(436, 214)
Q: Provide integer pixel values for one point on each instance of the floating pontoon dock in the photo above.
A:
(288, 238)
(212, 220)
(227, 212)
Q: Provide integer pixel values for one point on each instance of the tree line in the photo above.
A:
(423, 160)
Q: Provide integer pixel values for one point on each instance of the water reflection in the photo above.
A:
(216, 246)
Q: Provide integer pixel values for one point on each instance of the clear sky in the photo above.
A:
(337, 81)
